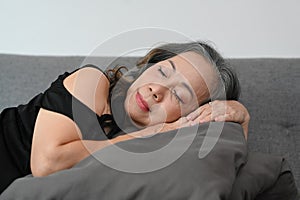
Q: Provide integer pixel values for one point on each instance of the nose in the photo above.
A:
(157, 91)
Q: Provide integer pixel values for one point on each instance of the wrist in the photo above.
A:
(245, 126)
(121, 138)
(168, 127)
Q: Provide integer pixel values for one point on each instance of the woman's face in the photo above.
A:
(169, 89)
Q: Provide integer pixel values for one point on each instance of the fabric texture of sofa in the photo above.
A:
(270, 91)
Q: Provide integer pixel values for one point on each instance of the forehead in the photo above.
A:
(193, 65)
(191, 61)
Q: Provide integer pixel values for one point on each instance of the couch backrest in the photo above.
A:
(271, 92)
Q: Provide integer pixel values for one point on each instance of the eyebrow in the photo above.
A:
(173, 65)
(183, 83)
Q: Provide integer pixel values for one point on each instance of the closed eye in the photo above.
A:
(177, 97)
(162, 72)
(174, 91)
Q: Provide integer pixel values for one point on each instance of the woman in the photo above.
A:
(170, 89)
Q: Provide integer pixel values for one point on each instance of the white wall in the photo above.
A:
(238, 28)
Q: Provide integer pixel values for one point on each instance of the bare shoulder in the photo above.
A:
(91, 87)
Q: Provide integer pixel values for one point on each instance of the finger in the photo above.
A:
(220, 118)
(218, 108)
(205, 117)
(217, 112)
(181, 122)
(193, 115)
(223, 118)
(206, 112)
(219, 105)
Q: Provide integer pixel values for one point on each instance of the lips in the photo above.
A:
(141, 102)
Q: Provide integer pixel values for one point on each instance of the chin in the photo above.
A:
(139, 124)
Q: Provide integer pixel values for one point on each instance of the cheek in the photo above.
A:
(173, 112)
(164, 113)
(127, 101)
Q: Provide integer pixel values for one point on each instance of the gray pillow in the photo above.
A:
(264, 177)
(188, 177)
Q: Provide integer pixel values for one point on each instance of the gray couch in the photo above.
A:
(270, 91)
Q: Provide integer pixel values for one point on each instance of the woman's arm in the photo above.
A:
(222, 111)
(57, 143)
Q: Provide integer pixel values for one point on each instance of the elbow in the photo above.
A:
(39, 170)
(43, 163)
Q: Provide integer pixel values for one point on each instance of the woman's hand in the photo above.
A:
(214, 111)
(221, 111)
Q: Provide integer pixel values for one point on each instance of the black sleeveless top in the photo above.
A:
(17, 123)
